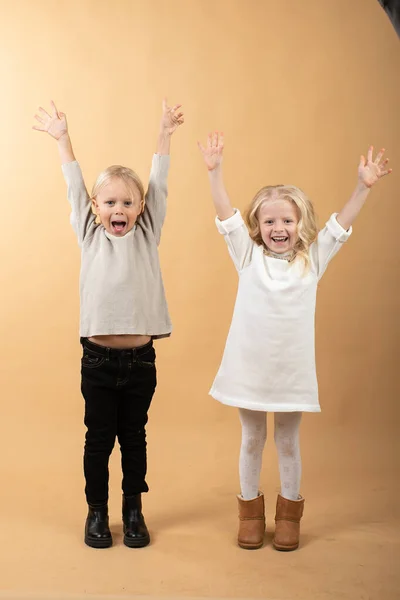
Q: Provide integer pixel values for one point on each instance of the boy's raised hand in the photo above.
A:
(171, 118)
(212, 153)
(369, 171)
(55, 124)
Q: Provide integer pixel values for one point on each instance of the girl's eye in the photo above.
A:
(128, 203)
(110, 202)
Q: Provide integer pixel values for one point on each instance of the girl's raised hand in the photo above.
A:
(212, 153)
(54, 124)
(171, 117)
(369, 171)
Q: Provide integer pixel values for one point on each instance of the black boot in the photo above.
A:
(136, 534)
(97, 532)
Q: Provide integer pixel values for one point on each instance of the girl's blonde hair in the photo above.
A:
(129, 177)
(307, 230)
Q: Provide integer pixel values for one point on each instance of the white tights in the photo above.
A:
(254, 436)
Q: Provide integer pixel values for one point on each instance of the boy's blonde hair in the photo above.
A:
(307, 230)
(129, 177)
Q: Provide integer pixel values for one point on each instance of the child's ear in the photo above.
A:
(95, 206)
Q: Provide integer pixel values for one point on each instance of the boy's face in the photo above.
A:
(117, 206)
(278, 225)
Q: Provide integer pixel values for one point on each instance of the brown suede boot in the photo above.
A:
(251, 522)
(287, 519)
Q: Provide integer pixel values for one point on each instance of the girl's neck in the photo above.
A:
(284, 256)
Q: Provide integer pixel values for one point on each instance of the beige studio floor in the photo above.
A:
(350, 546)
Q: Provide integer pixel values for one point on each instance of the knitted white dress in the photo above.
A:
(269, 358)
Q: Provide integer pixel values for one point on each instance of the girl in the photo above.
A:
(268, 363)
(123, 308)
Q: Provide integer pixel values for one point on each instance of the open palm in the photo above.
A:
(171, 118)
(369, 171)
(212, 153)
(55, 124)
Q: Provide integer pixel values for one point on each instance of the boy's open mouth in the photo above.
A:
(118, 226)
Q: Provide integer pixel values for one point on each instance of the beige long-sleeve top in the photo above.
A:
(121, 287)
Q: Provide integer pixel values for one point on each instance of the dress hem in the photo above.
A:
(270, 407)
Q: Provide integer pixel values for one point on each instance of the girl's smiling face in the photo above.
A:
(278, 221)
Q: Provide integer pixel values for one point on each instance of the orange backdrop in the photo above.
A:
(300, 90)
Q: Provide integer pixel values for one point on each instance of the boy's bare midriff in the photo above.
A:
(121, 342)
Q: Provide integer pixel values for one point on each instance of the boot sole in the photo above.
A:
(285, 548)
(136, 543)
(98, 543)
(250, 546)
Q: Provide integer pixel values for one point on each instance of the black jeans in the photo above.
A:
(118, 386)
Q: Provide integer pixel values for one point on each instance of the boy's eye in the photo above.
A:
(110, 202)
(288, 220)
(128, 203)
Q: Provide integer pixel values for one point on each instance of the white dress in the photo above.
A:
(269, 358)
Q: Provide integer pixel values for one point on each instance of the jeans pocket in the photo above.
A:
(147, 360)
(92, 360)
(146, 364)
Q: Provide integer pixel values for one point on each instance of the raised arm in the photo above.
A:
(369, 172)
(82, 217)
(212, 155)
(55, 124)
(229, 222)
(153, 216)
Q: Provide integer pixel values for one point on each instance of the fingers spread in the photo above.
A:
(54, 109)
(379, 156)
(44, 113)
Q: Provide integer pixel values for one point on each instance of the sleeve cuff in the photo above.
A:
(336, 230)
(229, 225)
